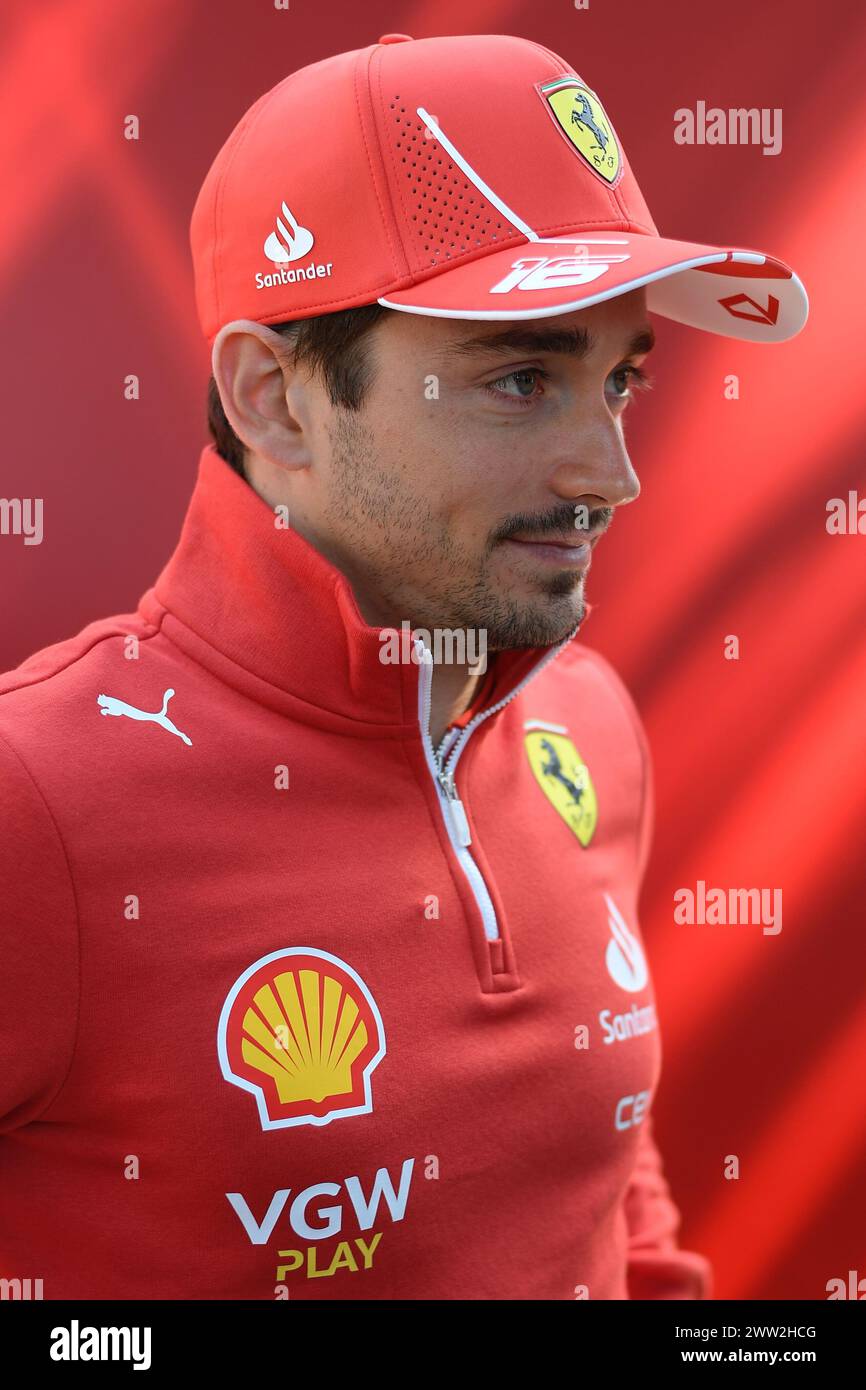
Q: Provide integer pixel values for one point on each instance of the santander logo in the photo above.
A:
(289, 242)
(624, 958)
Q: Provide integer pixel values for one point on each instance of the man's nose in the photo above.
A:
(595, 461)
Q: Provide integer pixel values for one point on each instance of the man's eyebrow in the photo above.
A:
(574, 342)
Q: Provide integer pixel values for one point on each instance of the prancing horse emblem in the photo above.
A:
(583, 121)
(563, 777)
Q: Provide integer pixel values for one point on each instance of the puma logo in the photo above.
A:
(112, 706)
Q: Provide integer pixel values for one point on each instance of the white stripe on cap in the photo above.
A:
(478, 181)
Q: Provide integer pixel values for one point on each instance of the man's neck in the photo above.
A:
(454, 684)
(453, 690)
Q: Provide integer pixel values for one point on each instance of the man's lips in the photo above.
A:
(574, 538)
(574, 549)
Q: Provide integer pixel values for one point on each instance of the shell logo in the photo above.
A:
(301, 1032)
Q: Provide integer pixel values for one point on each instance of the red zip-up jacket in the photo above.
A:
(293, 1005)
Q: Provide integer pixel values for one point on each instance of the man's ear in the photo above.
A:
(259, 330)
(251, 370)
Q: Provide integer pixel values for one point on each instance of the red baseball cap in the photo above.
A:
(471, 177)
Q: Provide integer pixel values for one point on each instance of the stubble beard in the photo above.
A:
(405, 555)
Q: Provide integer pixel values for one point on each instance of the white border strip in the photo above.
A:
(511, 313)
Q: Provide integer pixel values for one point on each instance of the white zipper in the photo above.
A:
(442, 773)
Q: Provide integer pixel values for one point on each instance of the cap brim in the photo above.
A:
(736, 293)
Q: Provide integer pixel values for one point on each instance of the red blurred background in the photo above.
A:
(760, 763)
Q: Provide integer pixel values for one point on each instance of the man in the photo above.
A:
(321, 970)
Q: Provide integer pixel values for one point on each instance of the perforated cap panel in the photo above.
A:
(449, 215)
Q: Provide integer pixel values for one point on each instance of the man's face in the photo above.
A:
(461, 446)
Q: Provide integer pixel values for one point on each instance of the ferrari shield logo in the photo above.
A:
(564, 778)
(581, 118)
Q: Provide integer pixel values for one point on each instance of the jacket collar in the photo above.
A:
(257, 603)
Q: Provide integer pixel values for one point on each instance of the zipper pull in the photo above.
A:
(455, 808)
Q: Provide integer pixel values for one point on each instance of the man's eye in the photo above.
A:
(518, 378)
(627, 379)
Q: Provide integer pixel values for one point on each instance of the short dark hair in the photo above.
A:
(331, 344)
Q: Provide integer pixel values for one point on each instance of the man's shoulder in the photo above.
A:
(587, 680)
(587, 666)
(74, 658)
(47, 703)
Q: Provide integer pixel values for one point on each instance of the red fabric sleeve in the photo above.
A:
(656, 1266)
(38, 949)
